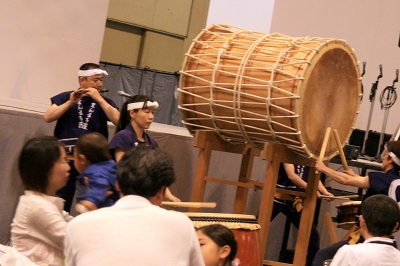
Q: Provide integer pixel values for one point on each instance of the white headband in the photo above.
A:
(91, 72)
(140, 105)
(395, 158)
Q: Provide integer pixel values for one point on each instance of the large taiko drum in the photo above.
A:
(244, 227)
(253, 88)
(346, 214)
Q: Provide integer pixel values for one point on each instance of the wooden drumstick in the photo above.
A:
(339, 145)
(324, 144)
(190, 204)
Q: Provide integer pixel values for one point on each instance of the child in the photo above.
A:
(96, 182)
(218, 245)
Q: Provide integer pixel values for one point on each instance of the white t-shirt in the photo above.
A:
(132, 232)
(368, 254)
(38, 227)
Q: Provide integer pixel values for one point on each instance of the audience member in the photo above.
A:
(378, 220)
(98, 173)
(79, 112)
(218, 245)
(136, 230)
(38, 227)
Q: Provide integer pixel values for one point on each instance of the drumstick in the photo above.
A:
(334, 197)
(340, 197)
(324, 144)
(190, 204)
(339, 145)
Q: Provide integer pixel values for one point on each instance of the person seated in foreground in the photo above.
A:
(38, 227)
(218, 245)
(136, 230)
(378, 220)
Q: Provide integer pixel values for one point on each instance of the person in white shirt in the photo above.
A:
(136, 230)
(38, 227)
(378, 220)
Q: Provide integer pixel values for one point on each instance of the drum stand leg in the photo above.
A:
(276, 154)
(207, 141)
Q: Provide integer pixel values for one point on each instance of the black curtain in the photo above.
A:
(161, 86)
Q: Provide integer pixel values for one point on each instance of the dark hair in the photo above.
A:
(143, 170)
(125, 118)
(394, 146)
(381, 213)
(94, 146)
(222, 236)
(36, 160)
(88, 66)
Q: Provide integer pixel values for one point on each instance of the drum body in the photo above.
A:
(346, 214)
(244, 227)
(253, 88)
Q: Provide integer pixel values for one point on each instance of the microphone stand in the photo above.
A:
(388, 98)
(372, 100)
(362, 75)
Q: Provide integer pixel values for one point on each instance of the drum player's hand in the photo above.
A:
(319, 166)
(349, 172)
(330, 195)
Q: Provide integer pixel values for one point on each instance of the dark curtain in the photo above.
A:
(161, 86)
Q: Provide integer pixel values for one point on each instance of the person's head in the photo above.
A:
(138, 109)
(218, 244)
(43, 166)
(379, 215)
(90, 148)
(391, 155)
(145, 171)
(91, 76)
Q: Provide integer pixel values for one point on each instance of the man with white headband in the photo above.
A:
(375, 183)
(79, 112)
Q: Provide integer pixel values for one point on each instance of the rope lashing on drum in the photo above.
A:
(238, 86)
(221, 51)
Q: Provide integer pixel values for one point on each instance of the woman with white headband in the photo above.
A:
(137, 114)
(374, 183)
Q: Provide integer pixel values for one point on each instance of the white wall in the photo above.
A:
(370, 27)
(43, 44)
(253, 15)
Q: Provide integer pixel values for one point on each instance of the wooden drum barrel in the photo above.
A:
(253, 88)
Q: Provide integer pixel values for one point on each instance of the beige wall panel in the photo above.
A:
(121, 47)
(170, 16)
(162, 52)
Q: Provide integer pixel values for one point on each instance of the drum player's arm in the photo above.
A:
(289, 169)
(348, 178)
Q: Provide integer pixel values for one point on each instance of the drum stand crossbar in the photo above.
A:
(207, 141)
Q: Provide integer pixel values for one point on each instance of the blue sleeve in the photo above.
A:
(96, 193)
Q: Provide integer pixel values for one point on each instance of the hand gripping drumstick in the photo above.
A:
(324, 144)
(190, 204)
(339, 145)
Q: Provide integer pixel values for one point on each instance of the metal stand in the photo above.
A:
(372, 100)
(388, 98)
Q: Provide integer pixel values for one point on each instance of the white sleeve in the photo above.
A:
(343, 257)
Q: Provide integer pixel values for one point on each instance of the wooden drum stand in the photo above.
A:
(207, 141)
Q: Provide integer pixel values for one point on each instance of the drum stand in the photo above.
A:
(276, 154)
(207, 141)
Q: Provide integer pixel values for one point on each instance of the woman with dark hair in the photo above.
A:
(137, 114)
(218, 245)
(38, 227)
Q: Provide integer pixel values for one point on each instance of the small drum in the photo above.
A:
(346, 214)
(244, 227)
(249, 87)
